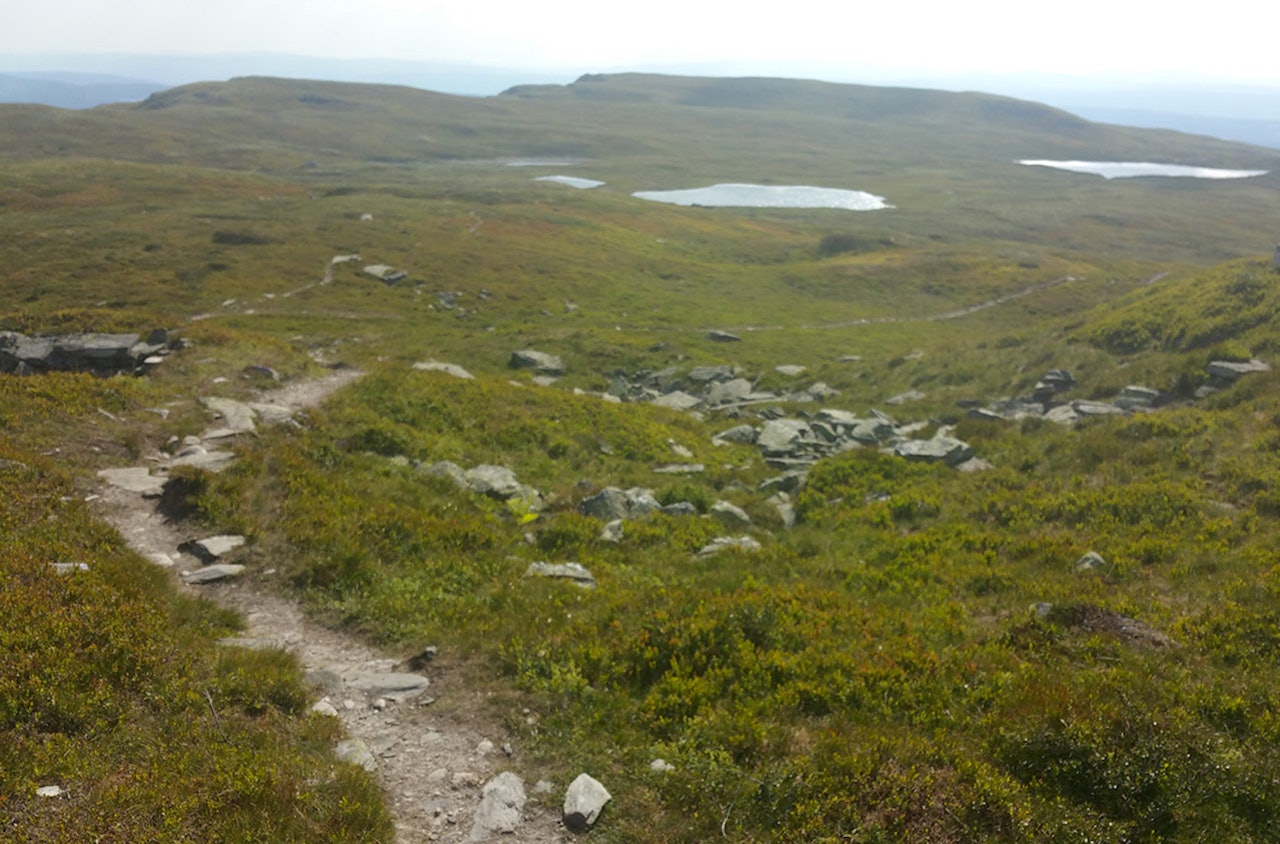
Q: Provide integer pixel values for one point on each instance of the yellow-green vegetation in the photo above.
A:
(917, 659)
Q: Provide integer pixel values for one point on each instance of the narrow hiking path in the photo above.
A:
(433, 752)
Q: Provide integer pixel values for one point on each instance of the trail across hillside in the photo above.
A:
(433, 753)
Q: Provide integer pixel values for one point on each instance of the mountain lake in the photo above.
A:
(768, 196)
(1130, 169)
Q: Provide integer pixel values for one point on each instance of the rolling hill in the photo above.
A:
(824, 635)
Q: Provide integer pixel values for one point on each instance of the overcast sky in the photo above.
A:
(1229, 39)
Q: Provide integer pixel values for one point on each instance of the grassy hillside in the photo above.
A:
(917, 658)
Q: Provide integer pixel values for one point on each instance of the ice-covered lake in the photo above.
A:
(571, 181)
(1130, 169)
(768, 196)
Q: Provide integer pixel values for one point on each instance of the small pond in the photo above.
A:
(1130, 169)
(768, 196)
(571, 181)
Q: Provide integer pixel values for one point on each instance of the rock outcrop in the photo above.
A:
(101, 354)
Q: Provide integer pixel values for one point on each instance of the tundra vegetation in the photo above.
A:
(918, 658)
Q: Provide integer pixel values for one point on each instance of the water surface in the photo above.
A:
(1130, 169)
(768, 196)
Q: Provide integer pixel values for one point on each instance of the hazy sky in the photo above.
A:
(1229, 39)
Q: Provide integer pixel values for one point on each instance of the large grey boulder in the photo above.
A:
(780, 436)
(677, 400)
(744, 434)
(445, 469)
(727, 392)
(729, 514)
(500, 482)
(787, 482)
(1230, 370)
(583, 801)
(704, 374)
(502, 800)
(539, 362)
(1053, 382)
(614, 503)
(104, 354)
(939, 449)
(871, 431)
(1097, 408)
(1135, 396)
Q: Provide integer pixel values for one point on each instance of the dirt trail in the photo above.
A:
(433, 752)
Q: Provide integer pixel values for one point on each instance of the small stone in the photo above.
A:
(485, 747)
(50, 791)
(720, 543)
(324, 707)
(583, 801)
(356, 752)
(661, 766)
(729, 514)
(612, 531)
(575, 572)
(1091, 561)
(447, 368)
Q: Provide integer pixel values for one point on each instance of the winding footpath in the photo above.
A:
(433, 749)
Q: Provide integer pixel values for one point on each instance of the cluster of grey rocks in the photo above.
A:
(707, 388)
(1046, 399)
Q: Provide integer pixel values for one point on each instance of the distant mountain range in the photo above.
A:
(73, 90)
(1228, 111)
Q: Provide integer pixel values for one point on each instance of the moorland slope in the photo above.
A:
(896, 651)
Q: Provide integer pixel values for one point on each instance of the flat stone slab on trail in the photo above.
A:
(135, 479)
(211, 548)
(209, 574)
(393, 685)
(237, 417)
